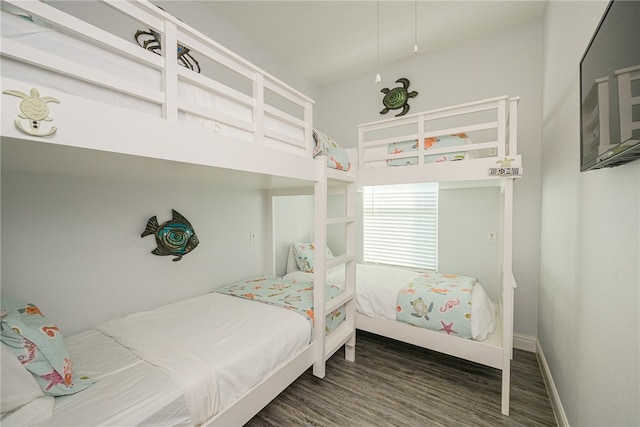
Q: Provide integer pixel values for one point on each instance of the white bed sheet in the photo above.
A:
(237, 342)
(377, 289)
(216, 347)
(128, 390)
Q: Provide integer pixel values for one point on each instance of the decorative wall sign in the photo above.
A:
(397, 97)
(174, 237)
(33, 108)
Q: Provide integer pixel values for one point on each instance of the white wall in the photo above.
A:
(72, 244)
(465, 215)
(507, 63)
(292, 222)
(589, 328)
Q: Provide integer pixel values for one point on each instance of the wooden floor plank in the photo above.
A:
(397, 384)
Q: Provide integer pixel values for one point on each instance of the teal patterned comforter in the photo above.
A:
(440, 302)
(288, 294)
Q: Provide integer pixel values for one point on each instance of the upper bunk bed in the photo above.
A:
(199, 104)
(471, 142)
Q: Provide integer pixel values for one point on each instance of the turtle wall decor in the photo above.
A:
(398, 97)
(33, 108)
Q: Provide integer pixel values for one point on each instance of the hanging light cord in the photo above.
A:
(378, 79)
(415, 28)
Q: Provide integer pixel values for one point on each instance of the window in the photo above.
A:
(401, 225)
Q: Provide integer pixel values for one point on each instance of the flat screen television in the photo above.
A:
(610, 89)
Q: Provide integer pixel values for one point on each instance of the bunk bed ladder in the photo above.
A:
(344, 334)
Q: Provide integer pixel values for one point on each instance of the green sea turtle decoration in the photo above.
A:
(33, 108)
(397, 97)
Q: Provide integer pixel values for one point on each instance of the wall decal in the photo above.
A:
(175, 237)
(33, 108)
(397, 97)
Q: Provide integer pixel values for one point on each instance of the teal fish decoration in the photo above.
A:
(175, 237)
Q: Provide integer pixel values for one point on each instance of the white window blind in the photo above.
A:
(401, 225)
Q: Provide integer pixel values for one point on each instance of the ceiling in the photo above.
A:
(327, 41)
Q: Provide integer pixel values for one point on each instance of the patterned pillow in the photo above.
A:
(39, 346)
(304, 254)
(336, 156)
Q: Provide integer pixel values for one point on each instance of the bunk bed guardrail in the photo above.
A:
(488, 120)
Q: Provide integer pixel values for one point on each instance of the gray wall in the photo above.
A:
(72, 244)
(465, 215)
(589, 327)
(507, 63)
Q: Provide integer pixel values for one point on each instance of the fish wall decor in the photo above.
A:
(175, 237)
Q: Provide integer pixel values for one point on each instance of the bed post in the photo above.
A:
(502, 128)
(513, 125)
(319, 275)
(170, 73)
(351, 195)
(258, 108)
(508, 284)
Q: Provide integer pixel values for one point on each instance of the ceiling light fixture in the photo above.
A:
(415, 27)
(378, 78)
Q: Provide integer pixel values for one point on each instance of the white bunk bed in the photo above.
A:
(103, 93)
(490, 159)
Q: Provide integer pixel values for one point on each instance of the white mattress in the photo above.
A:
(377, 289)
(239, 342)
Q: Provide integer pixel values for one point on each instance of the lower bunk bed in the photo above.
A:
(216, 359)
(448, 313)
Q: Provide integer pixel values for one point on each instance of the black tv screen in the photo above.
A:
(610, 89)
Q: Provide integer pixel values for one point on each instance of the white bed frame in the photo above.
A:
(500, 117)
(275, 143)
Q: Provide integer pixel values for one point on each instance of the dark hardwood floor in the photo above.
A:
(397, 384)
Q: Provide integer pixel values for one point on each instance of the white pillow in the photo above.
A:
(31, 413)
(18, 385)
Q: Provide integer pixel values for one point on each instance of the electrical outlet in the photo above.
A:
(252, 238)
(491, 236)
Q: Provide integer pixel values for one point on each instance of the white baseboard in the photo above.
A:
(531, 344)
(525, 342)
(556, 404)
